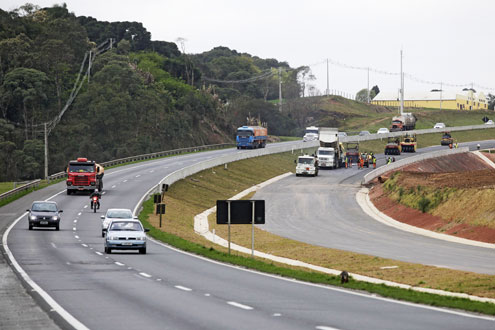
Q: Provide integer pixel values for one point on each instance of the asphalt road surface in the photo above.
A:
(169, 289)
(323, 211)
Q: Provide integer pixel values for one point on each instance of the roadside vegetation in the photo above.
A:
(199, 192)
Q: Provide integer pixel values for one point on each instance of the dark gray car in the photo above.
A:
(44, 214)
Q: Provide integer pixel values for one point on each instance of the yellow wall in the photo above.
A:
(469, 103)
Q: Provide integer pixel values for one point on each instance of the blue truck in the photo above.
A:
(251, 137)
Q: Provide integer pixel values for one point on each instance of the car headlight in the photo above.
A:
(33, 217)
(55, 218)
(113, 238)
(142, 238)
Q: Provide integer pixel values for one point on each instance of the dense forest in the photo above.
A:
(105, 90)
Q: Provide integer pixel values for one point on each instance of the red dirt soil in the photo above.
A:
(460, 171)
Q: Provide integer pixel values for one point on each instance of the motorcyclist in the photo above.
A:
(95, 194)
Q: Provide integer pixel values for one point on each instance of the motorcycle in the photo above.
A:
(95, 203)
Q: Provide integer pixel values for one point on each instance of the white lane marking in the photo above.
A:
(74, 229)
(75, 221)
(98, 253)
(277, 314)
(68, 263)
(103, 193)
(76, 324)
(85, 245)
(119, 263)
(207, 294)
(114, 186)
(85, 206)
(322, 327)
(180, 287)
(137, 176)
(152, 171)
(53, 244)
(158, 279)
(75, 236)
(321, 286)
(145, 275)
(124, 181)
(79, 213)
(236, 304)
(129, 267)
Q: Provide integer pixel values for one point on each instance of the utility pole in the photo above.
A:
(46, 152)
(327, 92)
(401, 85)
(280, 89)
(368, 98)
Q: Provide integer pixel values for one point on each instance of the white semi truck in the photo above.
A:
(311, 134)
(331, 152)
(306, 165)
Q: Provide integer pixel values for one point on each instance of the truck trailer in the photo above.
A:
(404, 122)
(251, 137)
(330, 153)
(84, 174)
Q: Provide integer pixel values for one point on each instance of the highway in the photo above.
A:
(170, 289)
(323, 211)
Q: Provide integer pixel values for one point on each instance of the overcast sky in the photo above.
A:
(442, 40)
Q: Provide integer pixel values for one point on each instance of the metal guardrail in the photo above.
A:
(119, 161)
(357, 138)
(22, 188)
(151, 156)
(198, 167)
(409, 160)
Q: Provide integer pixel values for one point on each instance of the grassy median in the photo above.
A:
(199, 192)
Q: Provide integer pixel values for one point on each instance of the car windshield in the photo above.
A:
(244, 132)
(81, 168)
(120, 214)
(126, 226)
(311, 131)
(324, 152)
(305, 161)
(44, 207)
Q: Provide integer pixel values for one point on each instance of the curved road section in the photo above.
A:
(323, 211)
(174, 290)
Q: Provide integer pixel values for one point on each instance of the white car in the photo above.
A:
(439, 125)
(490, 122)
(126, 235)
(114, 214)
(383, 130)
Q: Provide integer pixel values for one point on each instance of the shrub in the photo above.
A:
(423, 203)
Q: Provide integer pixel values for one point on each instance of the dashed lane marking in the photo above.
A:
(98, 253)
(236, 304)
(323, 327)
(119, 263)
(74, 229)
(85, 245)
(180, 287)
(114, 186)
(145, 275)
(85, 206)
(124, 181)
(79, 213)
(76, 237)
(54, 245)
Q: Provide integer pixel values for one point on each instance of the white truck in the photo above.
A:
(306, 165)
(331, 152)
(311, 134)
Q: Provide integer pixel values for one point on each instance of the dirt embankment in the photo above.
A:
(467, 210)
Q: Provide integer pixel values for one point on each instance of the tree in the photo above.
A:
(491, 101)
(362, 95)
(374, 90)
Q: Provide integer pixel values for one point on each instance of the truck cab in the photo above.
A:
(311, 134)
(307, 165)
(84, 174)
(326, 157)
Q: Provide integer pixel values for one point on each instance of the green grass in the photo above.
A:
(289, 138)
(41, 185)
(312, 277)
(6, 186)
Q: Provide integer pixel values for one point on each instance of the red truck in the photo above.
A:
(84, 174)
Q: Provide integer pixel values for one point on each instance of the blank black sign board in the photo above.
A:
(241, 212)
(160, 208)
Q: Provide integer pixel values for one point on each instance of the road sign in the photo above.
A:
(241, 212)
(157, 198)
(160, 208)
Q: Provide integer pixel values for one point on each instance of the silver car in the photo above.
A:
(114, 214)
(126, 235)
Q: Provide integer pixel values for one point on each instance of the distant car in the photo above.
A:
(44, 214)
(114, 214)
(383, 130)
(126, 235)
(342, 134)
(363, 133)
(439, 125)
(490, 122)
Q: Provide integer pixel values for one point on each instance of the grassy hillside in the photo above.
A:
(352, 116)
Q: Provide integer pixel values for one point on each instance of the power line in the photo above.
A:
(268, 73)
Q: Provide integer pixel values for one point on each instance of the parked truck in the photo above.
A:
(331, 152)
(84, 174)
(251, 137)
(311, 134)
(404, 122)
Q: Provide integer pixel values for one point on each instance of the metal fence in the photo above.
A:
(27, 186)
